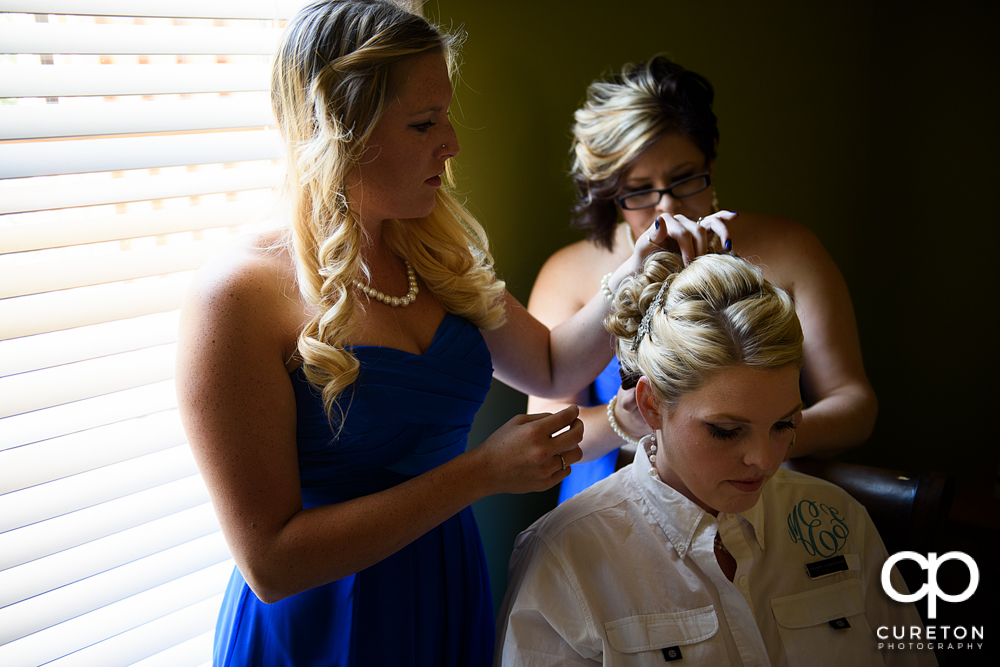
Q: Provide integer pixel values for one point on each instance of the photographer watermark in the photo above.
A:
(931, 636)
(930, 590)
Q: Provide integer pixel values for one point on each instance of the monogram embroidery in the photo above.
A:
(818, 527)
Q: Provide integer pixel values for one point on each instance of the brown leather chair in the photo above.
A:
(909, 509)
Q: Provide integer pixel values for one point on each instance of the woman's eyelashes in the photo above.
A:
(720, 433)
(422, 128)
(631, 189)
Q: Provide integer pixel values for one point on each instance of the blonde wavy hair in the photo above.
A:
(716, 313)
(331, 81)
(623, 115)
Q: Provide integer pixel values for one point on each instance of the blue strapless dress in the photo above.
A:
(430, 602)
(583, 475)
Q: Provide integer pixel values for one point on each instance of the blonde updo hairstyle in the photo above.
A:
(331, 81)
(623, 115)
(718, 312)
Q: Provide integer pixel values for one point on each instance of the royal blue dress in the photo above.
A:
(427, 604)
(583, 475)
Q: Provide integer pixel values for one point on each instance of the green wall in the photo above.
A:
(873, 123)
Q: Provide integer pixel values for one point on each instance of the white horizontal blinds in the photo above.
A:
(134, 144)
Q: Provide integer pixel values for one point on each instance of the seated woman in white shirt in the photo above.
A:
(703, 550)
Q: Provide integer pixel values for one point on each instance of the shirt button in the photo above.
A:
(743, 581)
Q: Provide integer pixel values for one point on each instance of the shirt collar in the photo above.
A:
(679, 516)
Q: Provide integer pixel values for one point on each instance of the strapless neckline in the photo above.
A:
(441, 327)
(404, 415)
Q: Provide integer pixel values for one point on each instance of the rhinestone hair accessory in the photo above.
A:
(643, 330)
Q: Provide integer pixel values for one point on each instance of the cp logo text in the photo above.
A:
(930, 589)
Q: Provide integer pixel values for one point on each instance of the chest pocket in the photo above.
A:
(696, 631)
(809, 639)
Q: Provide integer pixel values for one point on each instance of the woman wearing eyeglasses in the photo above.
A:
(644, 147)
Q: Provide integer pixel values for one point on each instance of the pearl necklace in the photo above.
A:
(719, 545)
(394, 301)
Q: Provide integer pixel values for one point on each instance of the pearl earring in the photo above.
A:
(652, 456)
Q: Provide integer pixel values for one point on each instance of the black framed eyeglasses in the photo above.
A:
(685, 187)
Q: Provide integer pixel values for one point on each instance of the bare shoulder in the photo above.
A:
(571, 256)
(770, 235)
(253, 264)
(785, 249)
(236, 399)
(245, 295)
(569, 279)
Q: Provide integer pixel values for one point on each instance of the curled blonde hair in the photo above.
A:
(331, 81)
(624, 115)
(716, 313)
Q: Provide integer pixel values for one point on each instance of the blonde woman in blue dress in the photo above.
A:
(328, 374)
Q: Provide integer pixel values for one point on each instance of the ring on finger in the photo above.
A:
(563, 461)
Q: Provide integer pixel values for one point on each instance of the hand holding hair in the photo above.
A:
(678, 234)
(694, 238)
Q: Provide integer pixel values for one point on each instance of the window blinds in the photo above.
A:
(133, 145)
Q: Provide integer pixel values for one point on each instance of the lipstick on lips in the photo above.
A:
(434, 181)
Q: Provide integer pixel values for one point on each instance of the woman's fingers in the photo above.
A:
(692, 238)
(717, 223)
(679, 234)
(554, 424)
(564, 440)
(557, 421)
(564, 460)
(527, 453)
(572, 455)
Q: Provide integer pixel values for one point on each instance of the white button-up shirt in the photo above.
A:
(626, 574)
